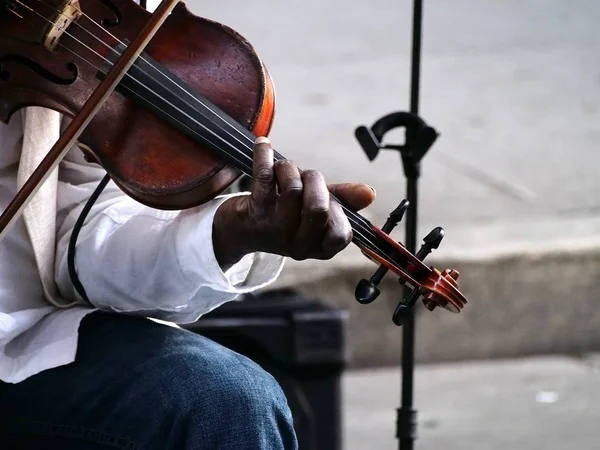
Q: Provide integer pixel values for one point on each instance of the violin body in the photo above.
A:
(150, 159)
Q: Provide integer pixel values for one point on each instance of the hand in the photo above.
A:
(288, 213)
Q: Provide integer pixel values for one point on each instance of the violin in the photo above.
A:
(169, 104)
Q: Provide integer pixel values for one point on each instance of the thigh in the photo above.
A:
(139, 384)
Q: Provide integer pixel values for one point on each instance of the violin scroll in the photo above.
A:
(434, 287)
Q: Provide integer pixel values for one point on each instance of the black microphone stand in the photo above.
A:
(419, 138)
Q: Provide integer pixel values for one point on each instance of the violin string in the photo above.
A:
(356, 219)
(241, 162)
(180, 88)
(15, 13)
(224, 150)
(358, 226)
(102, 28)
(250, 142)
(141, 57)
(112, 49)
(365, 239)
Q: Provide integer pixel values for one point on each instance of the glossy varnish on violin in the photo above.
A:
(127, 139)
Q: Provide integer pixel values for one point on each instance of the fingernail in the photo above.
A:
(373, 189)
(261, 140)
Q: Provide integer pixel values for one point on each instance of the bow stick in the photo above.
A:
(82, 120)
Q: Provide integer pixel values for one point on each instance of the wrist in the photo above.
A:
(232, 233)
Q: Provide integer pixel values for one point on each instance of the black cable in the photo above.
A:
(75, 233)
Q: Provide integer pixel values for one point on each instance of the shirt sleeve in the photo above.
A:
(134, 259)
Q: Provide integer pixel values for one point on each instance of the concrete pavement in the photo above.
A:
(550, 403)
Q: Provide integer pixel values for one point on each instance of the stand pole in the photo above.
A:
(419, 138)
(407, 416)
(406, 413)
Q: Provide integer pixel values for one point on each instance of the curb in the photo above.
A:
(541, 299)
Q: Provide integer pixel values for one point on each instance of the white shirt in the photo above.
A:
(130, 259)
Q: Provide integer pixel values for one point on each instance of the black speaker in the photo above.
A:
(302, 343)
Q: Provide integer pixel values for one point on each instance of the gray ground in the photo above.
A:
(546, 403)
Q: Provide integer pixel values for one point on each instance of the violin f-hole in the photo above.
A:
(37, 68)
(113, 21)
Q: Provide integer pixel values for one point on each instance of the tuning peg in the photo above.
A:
(402, 314)
(404, 309)
(395, 217)
(366, 290)
(431, 242)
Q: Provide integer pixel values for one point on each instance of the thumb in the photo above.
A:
(356, 196)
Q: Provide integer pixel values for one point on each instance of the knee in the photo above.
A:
(227, 396)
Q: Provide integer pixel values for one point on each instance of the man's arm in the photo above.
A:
(135, 259)
(178, 265)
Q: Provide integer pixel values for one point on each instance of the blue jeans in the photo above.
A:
(136, 384)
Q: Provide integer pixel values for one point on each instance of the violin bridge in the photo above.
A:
(68, 13)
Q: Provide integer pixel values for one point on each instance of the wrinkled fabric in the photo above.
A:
(130, 258)
(136, 384)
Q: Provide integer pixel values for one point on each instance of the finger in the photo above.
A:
(338, 233)
(288, 179)
(316, 202)
(263, 178)
(290, 188)
(356, 196)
